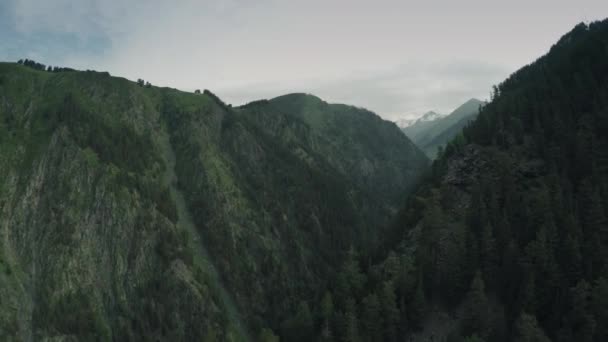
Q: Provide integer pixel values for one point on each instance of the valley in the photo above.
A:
(133, 212)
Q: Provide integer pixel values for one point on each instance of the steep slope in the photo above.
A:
(201, 255)
(145, 213)
(269, 188)
(433, 146)
(436, 133)
(90, 249)
(508, 239)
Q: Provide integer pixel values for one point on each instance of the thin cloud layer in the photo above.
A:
(398, 58)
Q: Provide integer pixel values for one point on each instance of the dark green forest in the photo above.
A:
(509, 232)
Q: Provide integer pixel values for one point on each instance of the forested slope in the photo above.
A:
(509, 235)
(94, 247)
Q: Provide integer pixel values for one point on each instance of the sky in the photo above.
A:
(396, 58)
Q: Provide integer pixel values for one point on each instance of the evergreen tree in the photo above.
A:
(267, 335)
(351, 323)
(599, 300)
(299, 327)
(418, 309)
(580, 320)
(476, 316)
(371, 321)
(526, 329)
(489, 255)
(390, 312)
(327, 312)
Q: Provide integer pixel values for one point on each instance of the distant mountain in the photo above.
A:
(435, 130)
(403, 123)
(428, 116)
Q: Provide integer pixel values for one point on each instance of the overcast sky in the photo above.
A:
(397, 58)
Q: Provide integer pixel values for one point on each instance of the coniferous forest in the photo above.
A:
(131, 212)
(509, 230)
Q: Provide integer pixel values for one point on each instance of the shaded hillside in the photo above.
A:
(357, 143)
(273, 196)
(95, 246)
(509, 236)
(433, 135)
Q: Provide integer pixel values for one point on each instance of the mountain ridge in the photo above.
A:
(132, 212)
(95, 248)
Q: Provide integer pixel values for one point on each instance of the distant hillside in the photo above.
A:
(430, 135)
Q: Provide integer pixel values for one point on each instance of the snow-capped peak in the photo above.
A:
(428, 116)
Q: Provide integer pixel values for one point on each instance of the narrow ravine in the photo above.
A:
(201, 255)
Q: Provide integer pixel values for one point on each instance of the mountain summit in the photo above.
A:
(428, 116)
(436, 131)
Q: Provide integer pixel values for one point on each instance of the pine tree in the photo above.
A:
(476, 316)
(595, 229)
(351, 328)
(580, 318)
(267, 335)
(390, 312)
(372, 318)
(327, 311)
(571, 254)
(545, 269)
(489, 254)
(600, 308)
(392, 266)
(526, 329)
(299, 327)
(418, 309)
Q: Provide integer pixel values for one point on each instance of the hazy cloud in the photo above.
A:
(394, 57)
(403, 91)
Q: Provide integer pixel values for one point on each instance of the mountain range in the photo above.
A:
(132, 212)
